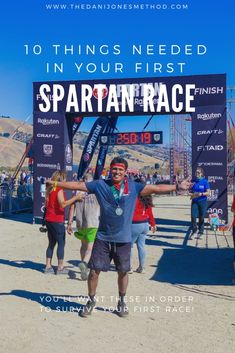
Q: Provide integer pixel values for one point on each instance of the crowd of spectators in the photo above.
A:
(16, 193)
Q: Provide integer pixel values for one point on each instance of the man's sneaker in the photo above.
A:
(84, 271)
(88, 308)
(131, 271)
(140, 270)
(122, 309)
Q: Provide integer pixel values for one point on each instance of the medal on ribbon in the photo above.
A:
(117, 196)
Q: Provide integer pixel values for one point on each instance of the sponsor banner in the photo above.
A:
(209, 151)
(131, 96)
(91, 143)
(52, 151)
(203, 96)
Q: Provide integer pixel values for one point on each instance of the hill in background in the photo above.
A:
(13, 147)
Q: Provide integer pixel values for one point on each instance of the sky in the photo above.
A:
(37, 26)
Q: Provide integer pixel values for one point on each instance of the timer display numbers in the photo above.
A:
(132, 138)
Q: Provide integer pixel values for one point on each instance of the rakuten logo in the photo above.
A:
(48, 121)
(206, 116)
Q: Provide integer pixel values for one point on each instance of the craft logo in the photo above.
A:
(48, 121)
(47, 150)
(48, 136)
(68, 154)
(104, 92)
(209, 132)
(206, 116)
(210, 148)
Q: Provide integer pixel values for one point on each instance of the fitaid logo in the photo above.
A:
(210, 148)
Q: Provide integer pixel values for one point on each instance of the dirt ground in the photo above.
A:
(185, 302)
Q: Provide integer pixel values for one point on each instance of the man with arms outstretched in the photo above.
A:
(116, 198)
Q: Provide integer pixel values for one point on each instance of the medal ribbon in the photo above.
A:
(118, 194)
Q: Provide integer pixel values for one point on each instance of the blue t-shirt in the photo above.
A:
(114, 228)
(201, 185)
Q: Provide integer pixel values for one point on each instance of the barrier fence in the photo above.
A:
(11, 203)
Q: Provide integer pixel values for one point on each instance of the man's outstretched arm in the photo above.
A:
(157, 189)
(68, 185)
(165, 188)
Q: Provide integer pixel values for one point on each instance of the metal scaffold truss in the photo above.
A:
(180, 146)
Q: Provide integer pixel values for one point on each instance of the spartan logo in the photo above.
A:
(104, 139)
(156, 137)
(48, 150)
(104, 92)
(86, 157)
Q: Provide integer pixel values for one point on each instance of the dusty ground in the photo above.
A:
(184, 303)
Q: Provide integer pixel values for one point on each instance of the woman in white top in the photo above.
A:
(87, 212)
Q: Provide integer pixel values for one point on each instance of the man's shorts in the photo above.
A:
(87, 234)
(104, 252)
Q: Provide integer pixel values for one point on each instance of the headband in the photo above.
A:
(118, 165)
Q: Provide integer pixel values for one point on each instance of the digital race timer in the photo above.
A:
(132, 138)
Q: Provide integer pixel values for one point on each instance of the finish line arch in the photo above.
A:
(55, 102)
